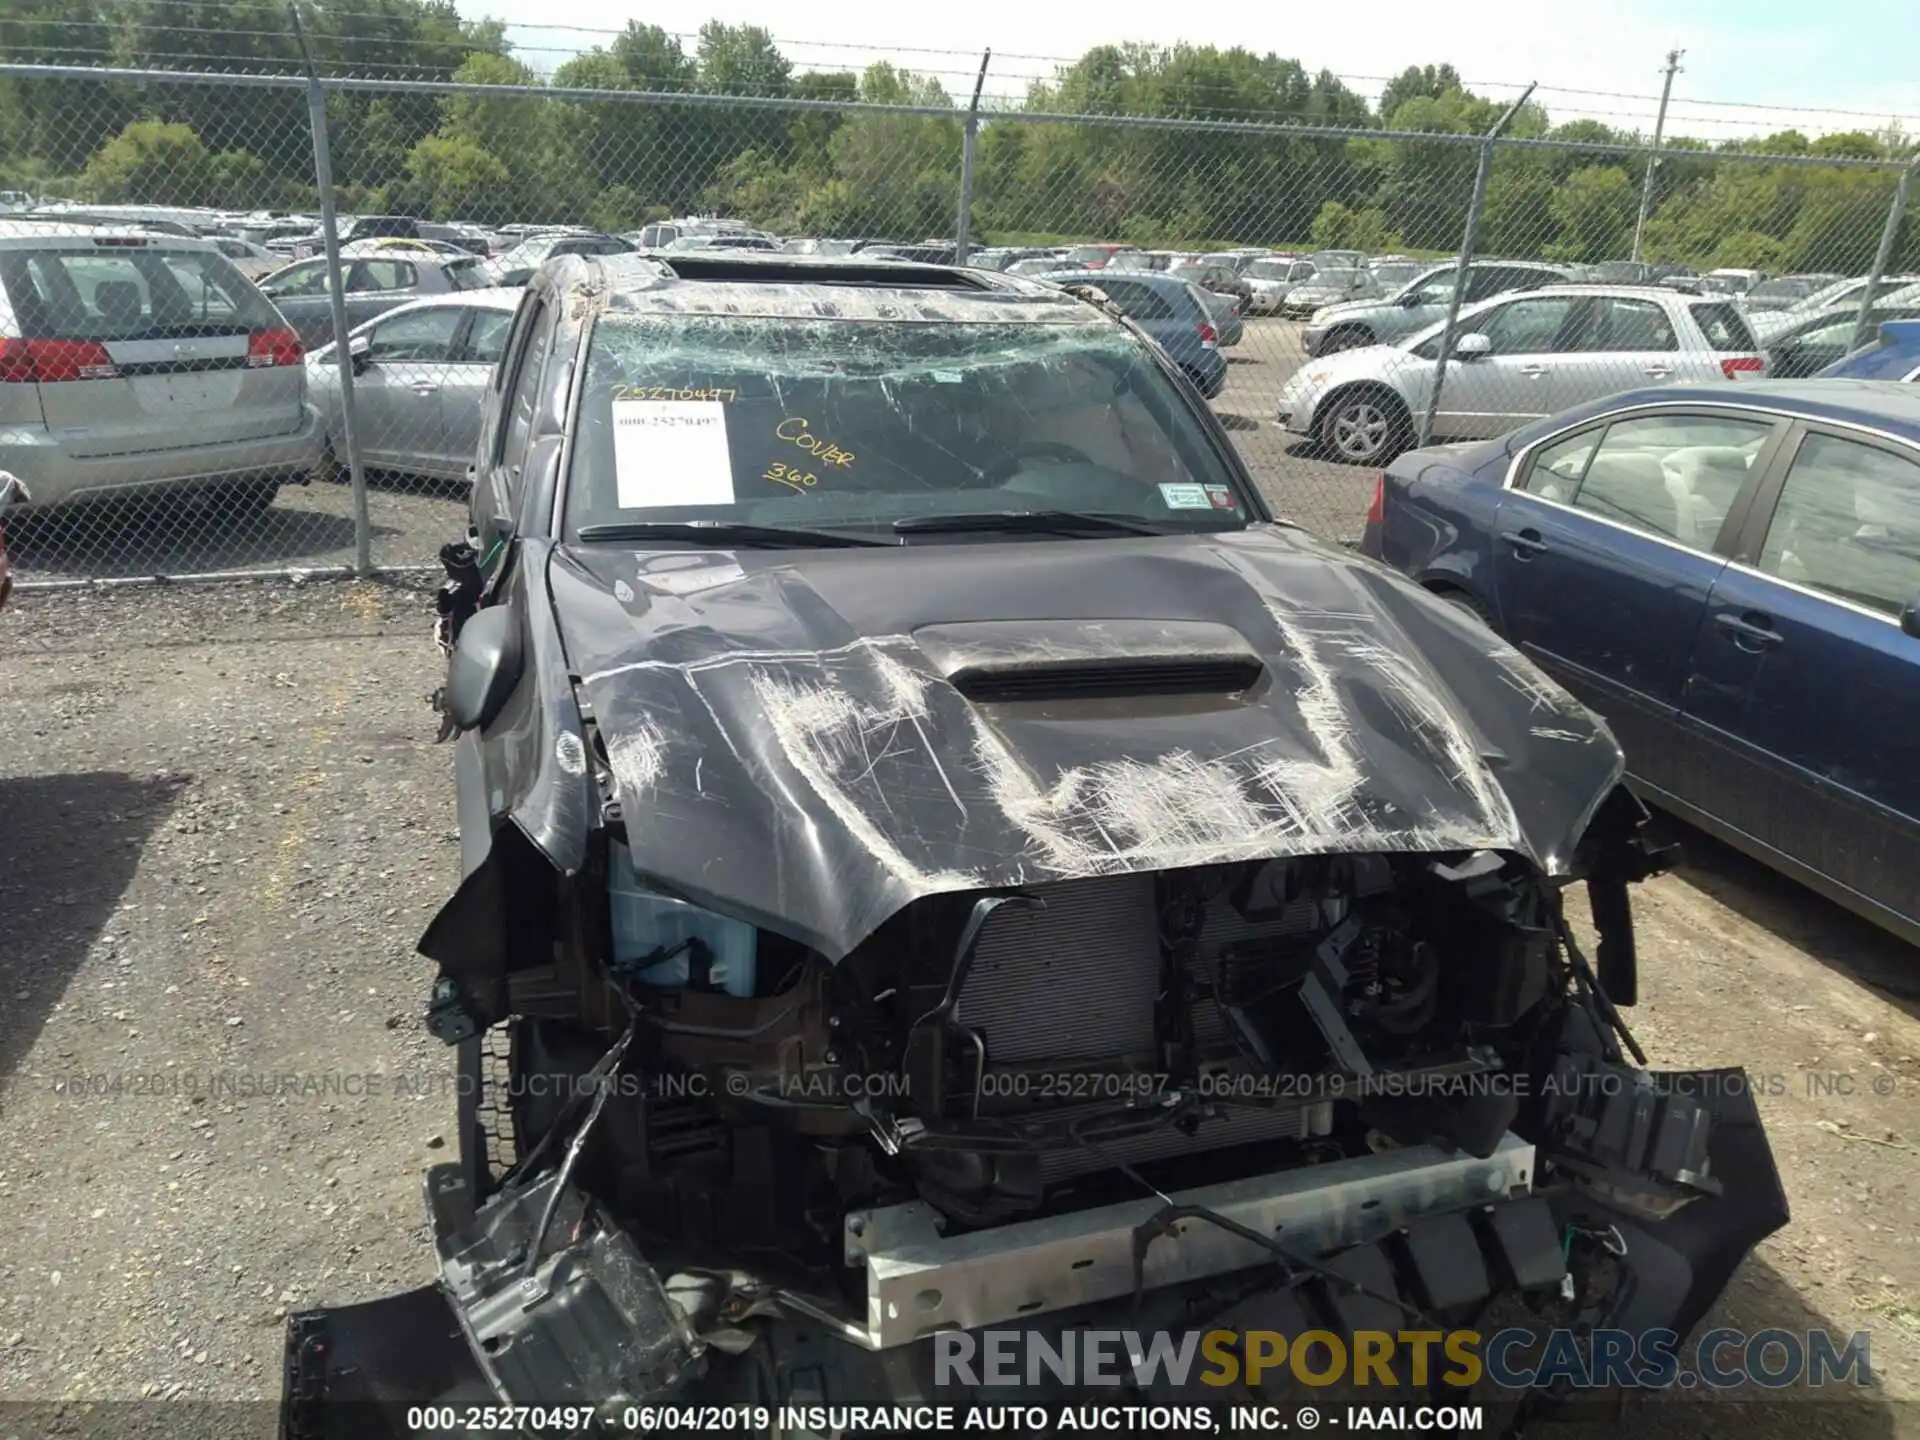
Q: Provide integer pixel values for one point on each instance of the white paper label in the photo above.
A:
(1185, 497)
(671, 452)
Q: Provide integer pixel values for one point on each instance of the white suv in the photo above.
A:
(133, 363)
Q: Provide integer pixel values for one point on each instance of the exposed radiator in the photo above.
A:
(1079, 981)
(1075, 981)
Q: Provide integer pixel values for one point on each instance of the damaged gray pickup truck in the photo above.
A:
(1109, 908)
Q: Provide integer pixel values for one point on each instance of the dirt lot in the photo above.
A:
(223, 823)
(310, 527)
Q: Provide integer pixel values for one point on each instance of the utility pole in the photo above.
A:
(1653, 159)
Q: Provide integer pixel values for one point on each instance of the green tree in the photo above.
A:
(152, 163)
(1593, 211)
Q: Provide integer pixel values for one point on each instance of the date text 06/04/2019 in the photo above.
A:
(675, 1420)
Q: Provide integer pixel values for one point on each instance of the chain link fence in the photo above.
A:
(159, 414)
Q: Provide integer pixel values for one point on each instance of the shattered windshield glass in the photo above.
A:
(863, 422)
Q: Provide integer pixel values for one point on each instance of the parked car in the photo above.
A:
(1395, 275)
(1178, 316)
(1730, 574)
(1620, 272)
(1731, 281)
(1785, 292)
(1041, 265)
(1893, 354)
(13, 491)
(1841, 297)
(1094, 257)
(373, 227)
(1330, 287)
(1220, 279)
(1422, 301)
(251, 260)
(517, 265)
(1000, 257)
(1270, 280)
(944, 666)
(1824, 340)
(140, 364)
(1515, 359)
(1339, 259)
(375, 283)
(420, 373)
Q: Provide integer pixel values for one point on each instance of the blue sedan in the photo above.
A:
(1893, 355)
(1730, 575)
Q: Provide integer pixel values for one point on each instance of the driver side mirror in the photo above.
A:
(360, 352)
(1472, 347)
(1416, 299)
(484, 668)
(1910, 618)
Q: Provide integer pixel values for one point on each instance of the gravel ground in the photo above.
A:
(223, 823)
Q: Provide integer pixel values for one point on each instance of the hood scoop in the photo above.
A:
(1011, 661)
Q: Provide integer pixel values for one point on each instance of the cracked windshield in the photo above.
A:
(862, 423)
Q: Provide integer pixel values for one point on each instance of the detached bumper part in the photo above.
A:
(593, 1325)
(588, 1324)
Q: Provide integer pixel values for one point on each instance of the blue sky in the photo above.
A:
(1777, 58)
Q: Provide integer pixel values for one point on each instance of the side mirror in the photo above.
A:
(485, 667)
(1409, 302)
(1910, 618)
(1472, 347)
(360, 352)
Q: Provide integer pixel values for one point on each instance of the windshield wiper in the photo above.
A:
(729, 532)
(1035, 522)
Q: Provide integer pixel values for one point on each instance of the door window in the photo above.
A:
(380, 275)
(420, 335)
(1622, 324)
(309, 277)
(1524, 327)
(1557, 469)
(523, 403)
(1848, 523)
(1486, 281)
(1671, 475)
(1137, 302)
(487, 336)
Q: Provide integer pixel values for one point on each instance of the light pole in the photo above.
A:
(1653, 159)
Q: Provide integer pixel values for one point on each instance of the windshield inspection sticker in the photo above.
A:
(1222, 497)
(1184, 497)
(671, 452)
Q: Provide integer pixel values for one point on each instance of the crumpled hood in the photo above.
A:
(791, 744)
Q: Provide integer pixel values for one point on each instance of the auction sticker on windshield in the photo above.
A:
(671, 453)
(1185, 497)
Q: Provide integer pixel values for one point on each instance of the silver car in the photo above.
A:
(377, 280)
(1421, 302)
(134, 363)
(420, 372)
(1330, 287)
(1271, 279)
(1516, 358)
